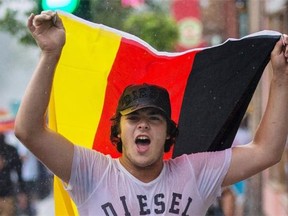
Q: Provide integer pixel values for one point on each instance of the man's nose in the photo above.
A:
(144, 124)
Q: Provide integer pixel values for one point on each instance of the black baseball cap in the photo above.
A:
(135, 97)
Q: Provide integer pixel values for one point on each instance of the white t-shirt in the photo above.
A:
(188, 185)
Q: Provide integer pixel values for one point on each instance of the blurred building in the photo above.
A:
(274, 16)
(208, 22)
(216, 21)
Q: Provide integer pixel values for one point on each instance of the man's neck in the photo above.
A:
(143, 174)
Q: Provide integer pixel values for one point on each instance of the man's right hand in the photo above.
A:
(48, 31)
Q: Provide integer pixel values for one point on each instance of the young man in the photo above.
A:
(140, 182)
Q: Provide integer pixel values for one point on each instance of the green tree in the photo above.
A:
(155, 27)
(109, 12)
(11, 21)
(151, 22)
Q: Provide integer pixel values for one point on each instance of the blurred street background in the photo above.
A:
(167, 25)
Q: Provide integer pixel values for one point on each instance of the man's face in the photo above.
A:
(143, 134)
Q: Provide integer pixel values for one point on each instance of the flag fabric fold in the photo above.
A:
(210, 88)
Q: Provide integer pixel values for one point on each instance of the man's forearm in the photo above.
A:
(31, 114)
(272, 131)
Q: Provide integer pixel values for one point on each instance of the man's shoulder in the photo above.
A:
(91, 153)
(199, 157)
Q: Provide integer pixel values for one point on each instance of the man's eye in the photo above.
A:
(132, 118)
(155, 118)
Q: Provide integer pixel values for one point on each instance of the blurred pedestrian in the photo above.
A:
(10, 164)
(232, 197)
(30, 174)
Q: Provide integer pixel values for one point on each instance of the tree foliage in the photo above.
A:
(109, 12)
(11, 23)
(154, 27)
(151, 22)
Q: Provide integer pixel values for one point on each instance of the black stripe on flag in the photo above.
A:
(219, 89)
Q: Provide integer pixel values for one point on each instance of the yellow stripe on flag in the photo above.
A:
(63, 204)
(79, 89)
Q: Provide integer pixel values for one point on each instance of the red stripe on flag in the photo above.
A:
(135, 63)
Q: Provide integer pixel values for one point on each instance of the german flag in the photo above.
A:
(210, 88)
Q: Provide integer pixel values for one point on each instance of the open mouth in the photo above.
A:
(142, 143)
(142, 140)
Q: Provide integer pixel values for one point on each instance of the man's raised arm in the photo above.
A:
(52, 149)
(267, 147)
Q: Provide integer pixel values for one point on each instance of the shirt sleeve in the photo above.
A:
(210, 170)
(88, 167)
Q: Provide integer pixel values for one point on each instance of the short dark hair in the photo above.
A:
(172, 130)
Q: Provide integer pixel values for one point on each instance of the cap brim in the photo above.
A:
(138, 107)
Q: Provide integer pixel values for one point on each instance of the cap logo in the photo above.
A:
(137, 97)
(140, 93)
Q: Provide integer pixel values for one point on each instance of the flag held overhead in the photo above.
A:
(210, 88)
